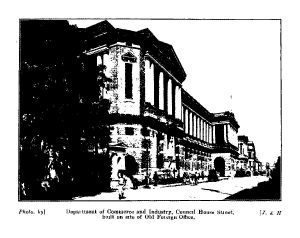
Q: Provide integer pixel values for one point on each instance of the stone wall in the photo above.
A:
(116, 71)
(134, 142)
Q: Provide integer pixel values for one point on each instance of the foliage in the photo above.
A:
(60, 114)
(276, 172)
(145, 163)
(132, 167)
(146, 145)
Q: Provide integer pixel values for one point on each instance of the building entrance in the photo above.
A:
(219, 165)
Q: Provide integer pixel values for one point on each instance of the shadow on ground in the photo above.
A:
(269, 190)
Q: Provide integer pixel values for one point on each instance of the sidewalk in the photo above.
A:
(182, 184)
(129, 192)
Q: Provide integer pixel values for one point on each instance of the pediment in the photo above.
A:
(129, 57)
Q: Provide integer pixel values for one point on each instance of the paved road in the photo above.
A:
(202, 191)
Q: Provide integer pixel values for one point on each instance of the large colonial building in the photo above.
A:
(148, 103)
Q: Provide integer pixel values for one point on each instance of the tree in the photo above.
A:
(146, 163)
(276, 172)
(60, 114)
(146, 145)
(132, 167)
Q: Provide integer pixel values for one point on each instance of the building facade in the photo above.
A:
(247, 160)
(242, 162)
(148, 103)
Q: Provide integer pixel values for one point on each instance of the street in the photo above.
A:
(202, 191)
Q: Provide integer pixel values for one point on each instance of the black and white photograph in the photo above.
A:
(149, 118)
(150, 109)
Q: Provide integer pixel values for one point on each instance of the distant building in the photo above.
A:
(209, 140)
(242, 162)
(148, 102)
(254, 165)
(248, 160)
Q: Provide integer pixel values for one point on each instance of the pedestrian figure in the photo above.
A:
(155, 178)
(174, 172)
(196, 178)
(122, 184)
(135, 183)
(185, 178)
(202, 175)
(192, 179)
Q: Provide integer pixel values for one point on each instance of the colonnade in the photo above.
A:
(103, 59)
(197, 126)
(162, 90)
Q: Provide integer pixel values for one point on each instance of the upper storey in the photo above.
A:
(195, 106)
(226, 117)
(104, 34)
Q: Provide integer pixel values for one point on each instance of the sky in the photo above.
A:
(231, 65)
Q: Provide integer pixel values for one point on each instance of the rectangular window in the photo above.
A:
(128, 80)
(129, 131)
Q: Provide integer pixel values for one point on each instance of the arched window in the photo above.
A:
(128, 80)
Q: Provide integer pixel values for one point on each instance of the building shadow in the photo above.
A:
(268, 190)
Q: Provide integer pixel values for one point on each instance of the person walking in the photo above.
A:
(155, 178)
(196, 178)
(202, 175)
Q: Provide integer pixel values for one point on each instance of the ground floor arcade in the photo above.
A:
(166, 151)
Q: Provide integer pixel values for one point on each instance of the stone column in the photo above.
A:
(179, 102)
(204, 129)
(186, 121)
(225, 133)
(209, 137)
(191, 123)
(195, 126)
(170, 97)
(99, 60)
(207, 133)
(161, 91)
(149, 82)
(228, 132)
(213, 134)
(106, 60)
(201, 129)
(198, 125)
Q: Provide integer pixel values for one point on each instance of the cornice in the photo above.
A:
(160, 65)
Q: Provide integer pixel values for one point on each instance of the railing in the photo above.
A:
(161, 115)
(198, 142)
(226, 146)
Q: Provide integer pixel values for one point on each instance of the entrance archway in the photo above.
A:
(219, 165)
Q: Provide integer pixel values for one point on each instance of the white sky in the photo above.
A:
(223, 58)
